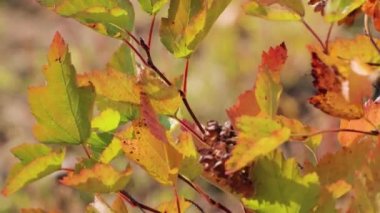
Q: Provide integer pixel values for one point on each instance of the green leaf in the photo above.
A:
(39, 163)
(108, 17)
(337, 10)
(277, 10)
(62, 109)
(152, 6)
(280, 187)
(101, 178)
(123, 60)
(127, 111)
(98, 142)
(106, 121)
(188, 23)
(256, 137)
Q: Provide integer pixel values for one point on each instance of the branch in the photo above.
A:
(127, 197)
(187, 127)
(185, 74)
(151, 30)
(373, 132)
(204, 194)
(315, 35)
(195, 204)
(328, 37)
(86, 151)
(368, 32)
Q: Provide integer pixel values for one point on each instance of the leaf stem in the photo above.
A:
(151, 30)
(195, 204)
(133, 202)
(328, 37)
(186, 126)
(373, 132)
(135, 51)
(185, 74)
(177, 198)
(67, 169)
(86, 151)
(315, 35)
(204, 194)
(368, 32)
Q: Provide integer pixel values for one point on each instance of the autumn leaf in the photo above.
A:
(280, 186)
(123, 60)
(101, 178)
(37, 161)
(188, 23)
(336, 10)
(190, 166)
(119, 206)
(35, 210)
(369, 122)
(279, 10)
(172, 207)
(256, 137)
(106, 121)
(145, 142)
(264, 97)
(330, 97)
(120, 87)
(108, 17)
(62, 109)
(152, 6)
(372, 9)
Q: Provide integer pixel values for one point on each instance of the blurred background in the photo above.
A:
(223, 67)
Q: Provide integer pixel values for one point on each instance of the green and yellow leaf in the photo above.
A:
(108, 17)
(278, 10)
(280, 186)
(62, 109)
(152, 6)
(256, 137)
(37, 161)
(188, 23)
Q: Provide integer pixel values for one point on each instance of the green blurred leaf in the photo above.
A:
(256, 137)
(62, 109)
(101, 178)
(108, 17)
(123, 60)
(106, 121)
(280, 187)
(277, 10)
(188, 23)
(41, 162)
(111, 151)
(337, 10)
(152, 6)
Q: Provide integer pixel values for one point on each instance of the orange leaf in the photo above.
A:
(330, 97)
(369, 122)
(372, 9)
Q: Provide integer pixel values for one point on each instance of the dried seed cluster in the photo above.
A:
(222, 139)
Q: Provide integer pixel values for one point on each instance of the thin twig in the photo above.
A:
(177, 198)
(374, 132)
(187, 105)
(86, 151)
(195, 204)
(314, 34)
(136, 52)
(185, 74)
(151, 30)
(187, 127)
(136, 203)
(133, 37)
(67, 169)
(327, 41)
(369, 33)
(204, 194)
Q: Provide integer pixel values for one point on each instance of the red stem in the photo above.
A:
(195, 204)
(136, 52)
(151, 30)
(177, 199)
(328, 37)
(86, 151)
(185, 74)
(67, 169)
